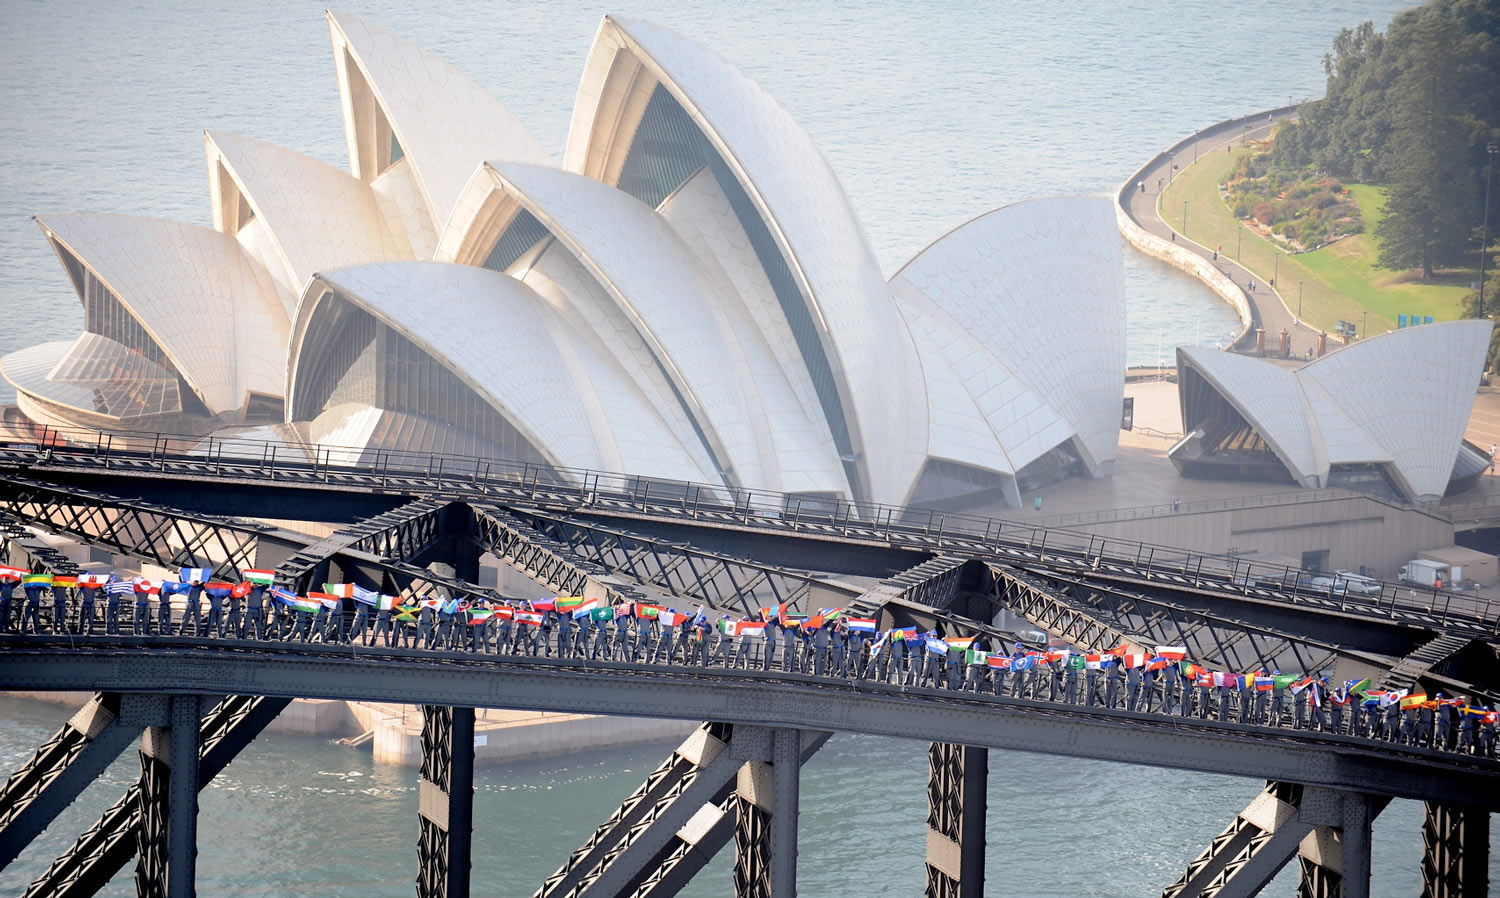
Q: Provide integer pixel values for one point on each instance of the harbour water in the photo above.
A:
(929, 113)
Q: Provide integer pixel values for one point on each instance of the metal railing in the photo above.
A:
(571, 489)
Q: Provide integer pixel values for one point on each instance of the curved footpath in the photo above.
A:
(1141, 223)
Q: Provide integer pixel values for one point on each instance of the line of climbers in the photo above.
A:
(830, 643)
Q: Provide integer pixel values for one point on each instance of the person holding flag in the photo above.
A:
(9, 577)
(31, 612)
(88, 590)
(60, 604)
(112, 606)
(217, 593)
(255, 611)
(191, 576)
(1338, 702)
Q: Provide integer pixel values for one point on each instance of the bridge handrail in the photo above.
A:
(915, 527)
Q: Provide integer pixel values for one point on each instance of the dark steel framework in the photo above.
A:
(687, 809)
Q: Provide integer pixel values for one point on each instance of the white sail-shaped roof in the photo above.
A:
(212, 311)
(508, 345)
(653, 279)
(445, 123)
(1401, 399)
(801, 202)
(316, 216)
(1040, 287)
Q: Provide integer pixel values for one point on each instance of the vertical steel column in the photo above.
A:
(1357, 817)
(1456, 848)
(167, 842)
(1334, 858)
(957, 799)
(445, 802)
(767, 794)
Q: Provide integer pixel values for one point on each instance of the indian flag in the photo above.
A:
(960, 642)
(37, 580)
(298, 603)
(326, 599)
(585, 609)
(65, 580)
(259, 577)
(749, 628)
(13, 573)
(1172, 652)
(860, 624)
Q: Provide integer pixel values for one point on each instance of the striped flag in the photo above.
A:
(259, 577)
(824, 617)
(217, 589)
(93, 580)
(1132, 660)
(585, 609)
(64, 581)
(529, 617)
(12, 573)
(37, 580)
(1205, 678)
(1302, 683)
(1172, 652)
(305, 604)
(1413, 701)
(860, 624)
(937, 646)
(480, 616)
(195, 574)
(672, 618)
(343, 590)
(725, 626)
(505, 612)
(775, 612)
(1000, 662)
(544, 604)
(748, 628)
(566, 603)
(1263, 682)
(960, 642)
(119, 588)
(1354, 686)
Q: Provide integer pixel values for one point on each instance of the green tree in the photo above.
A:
(1433, 198)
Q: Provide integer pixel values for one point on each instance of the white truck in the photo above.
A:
(1421, 572)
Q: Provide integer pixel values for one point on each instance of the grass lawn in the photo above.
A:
(1336, 282)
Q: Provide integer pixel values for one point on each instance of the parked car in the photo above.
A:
(1359, 584)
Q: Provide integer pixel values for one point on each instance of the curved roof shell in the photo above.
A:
(798, 197)
(211, 310)
(512, 348)
(1401, 399)
(1018, 316)
(316, 216)
(446, 124)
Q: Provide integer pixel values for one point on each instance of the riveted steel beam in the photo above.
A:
(1455, 851)
(957, 786)
(445, 803)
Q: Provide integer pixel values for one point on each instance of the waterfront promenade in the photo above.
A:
(1268, 309)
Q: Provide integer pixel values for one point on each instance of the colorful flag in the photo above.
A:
(259, 577)
(195, 574)
(1160, 662)
(671, 618)
(584, 609)
(217, 589)
(241, 589)
(773, 612)
(1076, 662)
(977, 656)
(296, 602)
(1413, 701)
(119, 588)
(1229, 680)
(749, 628)
(325, 599)
(529, 617)
(345, 590)
(1026, 662)
(13, 573)
(1354, 686)
(172, 588)
(1302, 683)
(1262, 682)
(1000, 662)
(544, 604)
(937, 646)
(142, 585)
(725, 626)
(36, 580)
(1204, 679)
(505, 612)
(480, 616)
(1172, 652)
(960, 642)
(860, 624)
(599, 615)
(1132, 660)
(404, 614)
(649, 612)
(1056, 655)
(1098, 661)
(566, 603)
(906, 633)
(823, 617)
(1282, 681)
(66, 581)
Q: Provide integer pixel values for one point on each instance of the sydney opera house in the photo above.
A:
(686, 295)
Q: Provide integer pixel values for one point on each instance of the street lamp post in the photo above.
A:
(1299, 302)
(1184, 218)
(1364, 325)
(1276, 269)
(1484, 241)
(1239, 232)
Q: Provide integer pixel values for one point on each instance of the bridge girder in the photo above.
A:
(773, 698)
